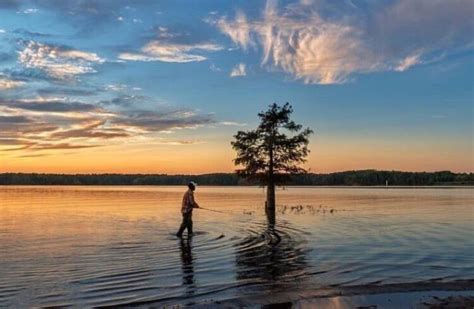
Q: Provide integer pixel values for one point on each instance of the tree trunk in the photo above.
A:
(270, 205)
(271, 220)
(271, 196)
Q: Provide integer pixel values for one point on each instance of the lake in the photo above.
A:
(109, 246)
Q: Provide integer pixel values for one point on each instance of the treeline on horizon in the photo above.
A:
(347, 178)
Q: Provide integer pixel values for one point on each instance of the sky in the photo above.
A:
(89, 86)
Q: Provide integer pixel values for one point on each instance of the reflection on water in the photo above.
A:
(109, 246)
(270, 256)
(187, 265)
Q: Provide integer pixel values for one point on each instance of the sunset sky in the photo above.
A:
(162, 86)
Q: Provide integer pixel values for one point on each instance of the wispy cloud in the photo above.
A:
(120, 88)
(179, 142)
(33, 155)
(15, 129)
(163, 121)
(49, 105)
(58, 62)
(171, 46)
(94, 130)
(300, 41)
(67, 91)
(239, 30)
(52, 123)
(232, 123)
(409, 61)
(171, 52)
(30, 34)
(28, 11)
(54, 146)
(239, 70)
(6, 84)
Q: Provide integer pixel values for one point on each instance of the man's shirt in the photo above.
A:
(188, 202)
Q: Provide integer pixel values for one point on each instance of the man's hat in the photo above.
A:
(192, 183)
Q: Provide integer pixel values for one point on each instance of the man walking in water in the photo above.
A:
(187, 210)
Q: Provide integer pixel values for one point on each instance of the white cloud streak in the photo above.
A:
(316, 49)
(239, 70)
(158, 50)
(56, 61)
(7, 84)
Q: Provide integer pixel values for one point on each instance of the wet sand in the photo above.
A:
(421, 300)
(456, 294)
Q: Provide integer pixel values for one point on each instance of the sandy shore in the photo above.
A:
(427, 299)
(458, 294)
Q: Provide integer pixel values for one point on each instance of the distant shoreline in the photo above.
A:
(360, 178)
(463, 187)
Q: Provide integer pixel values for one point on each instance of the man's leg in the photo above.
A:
(182, 227)
(190, 225)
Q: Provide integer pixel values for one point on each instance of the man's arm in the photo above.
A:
(193, 202)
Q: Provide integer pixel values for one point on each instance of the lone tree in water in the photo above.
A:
(268, 153)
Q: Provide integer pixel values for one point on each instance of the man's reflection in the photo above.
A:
(187, 265)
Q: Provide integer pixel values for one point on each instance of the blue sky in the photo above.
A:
(384, 84)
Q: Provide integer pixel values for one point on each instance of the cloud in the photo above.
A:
(28, 11)
(159, 50)
(239, 70)
(125, 101)
(49, 105)
(238, 30)
(7, 84)
(163, 121)
(120, 88)
(33, 133)
(14, 128)
(96, 130)
(52, 146)
(13, 119)
(214, 68)
(232, 123)
(180, 142)
(67, 91)
(325, 49)
(53, 123)
(32, 120)
(28, 74)
(32, 34)
(408, 62)
(3, 31)
(116, 87)
(58, 62)
(33, 155)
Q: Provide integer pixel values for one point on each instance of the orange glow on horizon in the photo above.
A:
(326, 157)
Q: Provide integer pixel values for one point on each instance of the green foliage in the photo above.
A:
(274, 150)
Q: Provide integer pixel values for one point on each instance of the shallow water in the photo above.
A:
(106, 246)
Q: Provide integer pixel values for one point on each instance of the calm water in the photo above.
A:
(98, 246)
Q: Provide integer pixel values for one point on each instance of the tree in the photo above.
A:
(268, 153)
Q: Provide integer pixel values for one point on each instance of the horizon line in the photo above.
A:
(233, 172)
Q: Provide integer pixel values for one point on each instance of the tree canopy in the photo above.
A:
(271, 148)
(273, 151)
